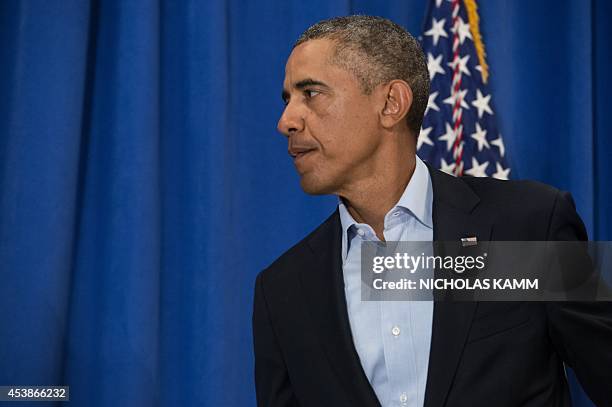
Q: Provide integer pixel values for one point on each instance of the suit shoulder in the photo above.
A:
(537, 210)
(286, 263)
(495, 187)
(524, 194)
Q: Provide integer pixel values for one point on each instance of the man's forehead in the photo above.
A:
(310, 59)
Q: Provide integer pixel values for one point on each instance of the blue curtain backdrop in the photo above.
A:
(143, 184)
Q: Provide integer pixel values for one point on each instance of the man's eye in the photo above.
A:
(311, 93)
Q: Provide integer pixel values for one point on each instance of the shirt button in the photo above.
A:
(403, 398)
(396, 213)
(360, 232)
(395, 330)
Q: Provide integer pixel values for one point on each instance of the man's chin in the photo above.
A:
(314, 186)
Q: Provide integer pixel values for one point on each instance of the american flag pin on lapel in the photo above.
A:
(469, 241)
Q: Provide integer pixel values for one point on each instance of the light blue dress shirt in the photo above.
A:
(392, 338)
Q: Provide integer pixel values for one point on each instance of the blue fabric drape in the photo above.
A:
(143, 184)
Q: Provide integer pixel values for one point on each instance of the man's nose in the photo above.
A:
(291, 121)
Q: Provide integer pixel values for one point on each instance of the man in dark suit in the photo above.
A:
(356, 90)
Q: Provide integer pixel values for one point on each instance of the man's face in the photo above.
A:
(332, 127)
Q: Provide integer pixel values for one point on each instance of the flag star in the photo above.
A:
(481, 137)
(477, 170)
(462, 65)
(431, 103)
(463, 30)
(424, 137)
(482, 103)
(437, 30)
(461, 94)
(449, 137)
(501, 173)
(433, 65)
(447, 167)
(500, 144)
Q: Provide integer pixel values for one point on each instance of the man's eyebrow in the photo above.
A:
(309, 82)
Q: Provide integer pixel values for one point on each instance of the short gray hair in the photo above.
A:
(377, 50)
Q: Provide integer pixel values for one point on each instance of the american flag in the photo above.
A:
(459, 133)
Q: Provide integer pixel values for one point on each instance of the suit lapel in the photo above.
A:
(453, 218)
(324, 287)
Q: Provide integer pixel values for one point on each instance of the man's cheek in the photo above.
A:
(324, 107)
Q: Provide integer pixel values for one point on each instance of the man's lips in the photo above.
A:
(300, 152)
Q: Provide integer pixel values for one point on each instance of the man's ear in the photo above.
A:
(398, 100)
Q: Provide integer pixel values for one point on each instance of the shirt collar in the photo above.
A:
(418, 195)
(417, 198)
(347, 221)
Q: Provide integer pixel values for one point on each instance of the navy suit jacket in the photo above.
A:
(482, 353)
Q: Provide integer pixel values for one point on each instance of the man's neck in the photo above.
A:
(372, 198)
